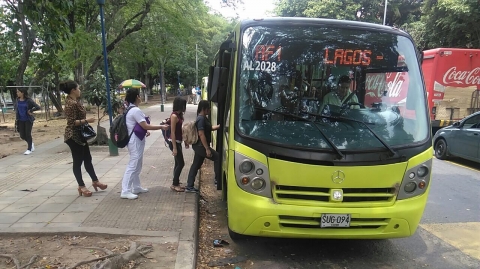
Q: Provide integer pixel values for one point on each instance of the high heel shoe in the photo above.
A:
(97, 184)
(84, 191)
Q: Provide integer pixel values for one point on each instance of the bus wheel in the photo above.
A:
(441, 149)
(235, 236)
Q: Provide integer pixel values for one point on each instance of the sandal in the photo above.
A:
(177, 188)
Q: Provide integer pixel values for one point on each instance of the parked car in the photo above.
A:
(462, 139)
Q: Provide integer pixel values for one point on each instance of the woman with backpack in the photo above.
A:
(175, 141)
(139, 126)
(24, 108)
(76, 116)
(202, 148)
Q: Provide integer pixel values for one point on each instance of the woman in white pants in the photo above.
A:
(138, 126)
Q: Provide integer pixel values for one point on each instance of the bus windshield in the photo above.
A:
(331, 88)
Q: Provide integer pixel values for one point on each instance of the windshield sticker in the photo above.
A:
(260, 66)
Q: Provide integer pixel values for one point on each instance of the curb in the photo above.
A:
(188, 239)
(167, 236)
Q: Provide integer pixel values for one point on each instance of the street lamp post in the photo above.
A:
(162, 95)
(112, 148)
(385, 12)
(196, 64)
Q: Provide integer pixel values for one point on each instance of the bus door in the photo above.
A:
(219, 94)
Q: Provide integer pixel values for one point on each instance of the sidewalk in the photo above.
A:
(38, 194)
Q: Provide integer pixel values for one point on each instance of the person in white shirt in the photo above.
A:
(194, 96)
(337, 98)
(138, 125)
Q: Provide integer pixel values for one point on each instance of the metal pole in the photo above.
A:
(385, 12)
(196, 64)
(162, 105)
(105, 61)
(112, 148)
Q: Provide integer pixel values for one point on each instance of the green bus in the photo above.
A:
(317, 139)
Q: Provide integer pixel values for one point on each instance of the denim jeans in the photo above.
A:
(200, 155)
(179, 163)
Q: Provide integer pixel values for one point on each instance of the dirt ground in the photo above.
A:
(43, 130)
(57, 251)
(213, 227)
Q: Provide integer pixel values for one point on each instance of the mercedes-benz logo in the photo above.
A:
(338, 177)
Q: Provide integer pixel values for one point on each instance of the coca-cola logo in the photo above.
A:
(376, 84)
(452, 76)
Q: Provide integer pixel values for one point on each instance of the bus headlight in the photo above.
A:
(258, 183)
(410, 187)
(422, 171)
(252, 176)
(415, 181)
(246, 167)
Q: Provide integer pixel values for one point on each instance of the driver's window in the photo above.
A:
(472, 122)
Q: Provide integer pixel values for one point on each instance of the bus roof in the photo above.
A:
(303, 20)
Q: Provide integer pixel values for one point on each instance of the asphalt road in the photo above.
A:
(448, 237)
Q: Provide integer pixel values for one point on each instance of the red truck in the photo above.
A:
(452, 79)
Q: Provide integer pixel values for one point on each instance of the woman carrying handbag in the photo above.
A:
(76, 117)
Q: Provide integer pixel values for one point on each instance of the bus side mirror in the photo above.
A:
(217, 83)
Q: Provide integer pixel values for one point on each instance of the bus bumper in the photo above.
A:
(259, 216)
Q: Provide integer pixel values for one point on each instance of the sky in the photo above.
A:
(250, 10)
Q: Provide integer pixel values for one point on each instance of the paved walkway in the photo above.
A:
(38, 193)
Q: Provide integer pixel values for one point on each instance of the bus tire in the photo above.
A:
(441, 149)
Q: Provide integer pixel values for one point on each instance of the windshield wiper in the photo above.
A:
(385, 144)
(337, 150)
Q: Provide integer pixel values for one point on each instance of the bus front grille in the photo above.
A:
(294, 194)
(314, 223)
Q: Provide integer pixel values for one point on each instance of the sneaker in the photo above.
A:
(33, 148)
(191, 190)
(128, 195)
(28, 152)
(140, 190)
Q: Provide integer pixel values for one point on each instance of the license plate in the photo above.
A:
(335, 220)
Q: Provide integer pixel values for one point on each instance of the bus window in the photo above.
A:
(291, 73)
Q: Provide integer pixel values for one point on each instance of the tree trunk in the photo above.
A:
(28, 39)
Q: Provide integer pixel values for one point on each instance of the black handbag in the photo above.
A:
(87, 132)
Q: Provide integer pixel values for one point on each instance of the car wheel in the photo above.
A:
(441, 149)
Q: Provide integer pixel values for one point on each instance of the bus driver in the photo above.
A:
(337, 98)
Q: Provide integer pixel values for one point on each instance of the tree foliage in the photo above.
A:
(451, 23)
(432, 23)
(44, 42)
